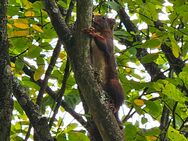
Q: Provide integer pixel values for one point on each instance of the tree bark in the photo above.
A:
(77, 47)
(39, 123)
(6, 102)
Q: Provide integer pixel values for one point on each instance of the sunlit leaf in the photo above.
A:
(37, 28)
(9, 25)
(175, 135)
(175, 49)
(21, 23)
(30, 13)
(34, 51)
(139, 102)
(26, 4)
(153, 43)
(151, 138)
(61, 137)
(62, 55)
(70, 127)
(39, 72)
(78, 136)
(20, 33)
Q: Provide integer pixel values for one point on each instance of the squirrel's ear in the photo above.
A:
(111, 22)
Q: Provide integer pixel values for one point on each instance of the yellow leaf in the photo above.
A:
(37, 28)
(27, 4)
(62, 55)
(21, 25)
(20, 33)
(12, 65)
(39, 72)
(175, 49)
(128, 70)
(151, 138)
(154, 36)
(25, 21)
(9, 25)
(96, 14)
(139, 102)
(9, 17)
(30, 14)
(159, 46)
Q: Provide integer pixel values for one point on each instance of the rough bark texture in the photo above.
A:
(6, 103)
(78, 52)
(39, 123)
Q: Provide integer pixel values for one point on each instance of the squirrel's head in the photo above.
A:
(101, 23)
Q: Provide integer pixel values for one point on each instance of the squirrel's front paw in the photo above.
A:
(90, 30)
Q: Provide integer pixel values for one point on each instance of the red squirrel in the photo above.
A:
(103, 60)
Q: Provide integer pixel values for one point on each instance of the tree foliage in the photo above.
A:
(49, 60)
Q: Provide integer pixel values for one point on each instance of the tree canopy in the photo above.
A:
(45, 64)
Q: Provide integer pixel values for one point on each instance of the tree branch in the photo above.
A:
(61, 92)
(54, 96)
(39, 123)
(57, 21)
(92, 92)
(51, 65)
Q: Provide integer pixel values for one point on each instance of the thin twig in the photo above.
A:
(61, 92)
(48, 72)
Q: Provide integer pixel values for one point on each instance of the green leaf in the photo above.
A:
(121, 33)
(37, 5)
(16, 138)
(70, 127)
(170, 90)
(78, 136)
(149, 58)
(63, 4)
(58, 75)
(49, 32)
(184, 76)
(47, 101)
(114, 5)
(29, 84)
(34, 51)
(144, 120)
(175, 49)
(174, 135)
(46, 46)
(61, 137)
(152, 132)
(72, 98)
(19, 45)
(18, 107)
(185, 49)
(130, 131)
(19, 64)
(39, 72)
(153, 43)
(153, 108)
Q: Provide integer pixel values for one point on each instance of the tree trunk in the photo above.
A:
(6, 102)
